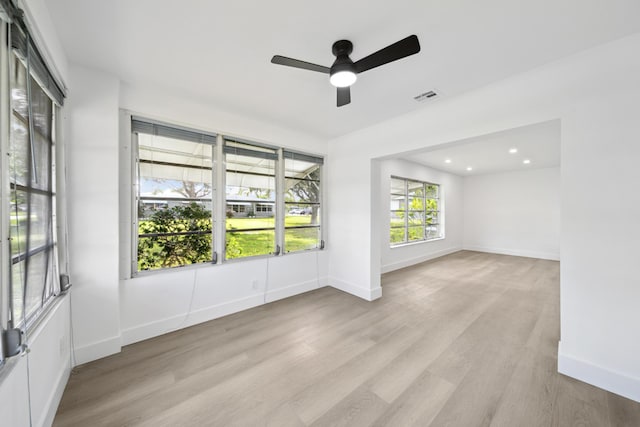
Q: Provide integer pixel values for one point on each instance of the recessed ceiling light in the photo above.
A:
(526, 161)
(447, 161)
(513, 150)
(469, 168)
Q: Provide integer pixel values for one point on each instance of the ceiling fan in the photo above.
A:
(343, 73)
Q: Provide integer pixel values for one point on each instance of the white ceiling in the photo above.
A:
(220, 51)
(539, 143)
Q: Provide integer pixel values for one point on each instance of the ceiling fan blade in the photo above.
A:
(344, 96)
(398, 50)
(296, 63)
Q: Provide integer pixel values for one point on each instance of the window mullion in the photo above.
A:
(279, 204)
(424, 211)
(406, 210)
(135, 202)
(219, 200)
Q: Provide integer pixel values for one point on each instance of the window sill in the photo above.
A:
(417, 242)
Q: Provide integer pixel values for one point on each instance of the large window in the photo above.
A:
(415, 211)
(174, 195)
(271, 202)
(31, 175)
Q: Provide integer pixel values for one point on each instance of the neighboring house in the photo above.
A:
(249, 206)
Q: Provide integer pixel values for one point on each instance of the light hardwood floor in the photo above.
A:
(469, 339)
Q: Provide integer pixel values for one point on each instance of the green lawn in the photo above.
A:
(251, 243)
(246, 243)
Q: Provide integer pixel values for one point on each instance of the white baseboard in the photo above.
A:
(417, 260)
(224, 309)
(152, 329)
(56, 397)
(364, 293)
(609, 380)
(163, 326)
(300, 288)
(97, 350)
(514, 252)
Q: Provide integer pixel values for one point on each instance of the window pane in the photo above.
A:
(416, 204)
(17, 290)
(165, 251)
(251, 223)
(398, 202)
(432, 191)
(300, 239)
(42, 108)
(302, 190)
(250, 183)
(249, 243)
(38, 267)
(174, 169)
(18, 218)
(302, 205)
(416, 233)
(433, 217)
(40, 176)
(415, 189)
(19, 149)
(294, 168)
(397, 219)
(397, 186)
(174, 207)
(432, 204)
(297, 215)
(397, 235)
(40, 220)
(433, 231)
(416, 218)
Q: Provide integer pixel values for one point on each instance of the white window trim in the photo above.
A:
(128, 202)
(440, 211)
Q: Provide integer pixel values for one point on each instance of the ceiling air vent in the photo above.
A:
(424, 96)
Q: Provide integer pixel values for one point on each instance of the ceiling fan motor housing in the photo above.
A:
(341, 49)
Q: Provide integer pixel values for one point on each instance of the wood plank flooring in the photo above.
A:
(469, 339)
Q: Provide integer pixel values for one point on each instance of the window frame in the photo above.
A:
(50, 247)
(293, 156)
(136, 199)
(251, 149)
(218, 199)
(407, 197)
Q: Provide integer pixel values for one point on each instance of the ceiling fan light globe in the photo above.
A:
(343, 78)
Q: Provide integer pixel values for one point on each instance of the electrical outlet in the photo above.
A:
(255, 285)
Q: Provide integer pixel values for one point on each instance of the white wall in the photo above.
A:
(451, 190)
(92, 192)
(596, 95)
(514, 213)
(600, 278)
(49, 366)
